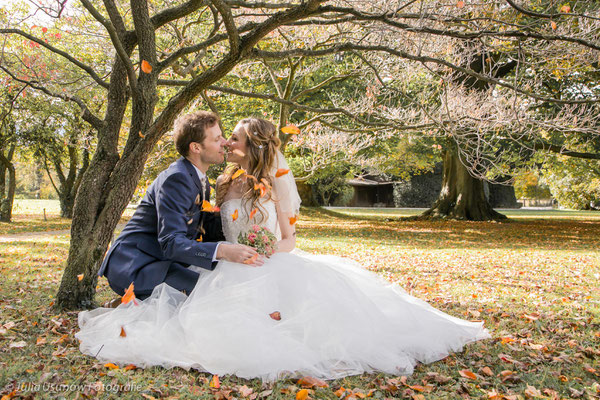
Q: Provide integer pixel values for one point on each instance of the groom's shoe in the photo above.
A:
(114, 303)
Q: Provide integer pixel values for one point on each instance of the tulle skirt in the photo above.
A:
(335, 319)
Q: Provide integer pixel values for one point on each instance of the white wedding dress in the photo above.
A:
(337, 319)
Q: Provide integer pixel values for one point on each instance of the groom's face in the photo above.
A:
(212, 148)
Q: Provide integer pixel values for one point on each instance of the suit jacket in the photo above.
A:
(163, 230)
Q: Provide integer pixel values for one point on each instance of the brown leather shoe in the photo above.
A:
(114, 303)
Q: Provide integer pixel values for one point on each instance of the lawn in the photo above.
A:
(534, 280)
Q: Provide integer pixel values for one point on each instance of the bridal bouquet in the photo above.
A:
(260, 238)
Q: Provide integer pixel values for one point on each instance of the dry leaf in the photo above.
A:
(251, 259)
(207, 207)
(460, 4)
(129, 295)
(281, 172)
(253, 213)
(130, 367)
(310, 381)
(141, 134)
(553, 25)
(235, 214)
(214, 382)
(199, 239)
(293, 219)
(487, 371)
(276, 315)
(17, 345)
(465, 373)
(123, 334)
(79, 277)
(532, 392)
(565, 9)
(302, 394)
(111, 366)
(290, 130)
(146, 67)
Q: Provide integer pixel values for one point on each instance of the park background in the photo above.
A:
(461, 109)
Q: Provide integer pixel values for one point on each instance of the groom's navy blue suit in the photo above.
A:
(159, 241)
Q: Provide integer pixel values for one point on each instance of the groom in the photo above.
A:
(169, 231)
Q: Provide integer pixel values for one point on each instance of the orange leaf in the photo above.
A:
(281, 172)
(44, 29)
(460, 4)
(111, 366)
(238, 173)
(293, 219)
(487, 371)
(123, 334)
(199, 239)
(235, 214)
(206, 206)
(129, 295)
(253, 213)
(130, 367)
(276, 315)
(146, 67)
(252, 177)
(340, 392)
(216, 209)
(302, 394)
(310, 382)
(565, 9)
(141, 135)
(553, 25)
(251, 259)
(465, 373)
(79, 277)
(290, 130)
(214, 382)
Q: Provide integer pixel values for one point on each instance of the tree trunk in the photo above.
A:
(7, 195)
(462, 195)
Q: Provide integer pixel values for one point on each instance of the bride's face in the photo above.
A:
(237, 141)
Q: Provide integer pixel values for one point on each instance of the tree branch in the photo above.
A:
(232, 31)
(63, 54)
(561, 150)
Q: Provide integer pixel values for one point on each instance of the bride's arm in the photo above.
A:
(288, 231)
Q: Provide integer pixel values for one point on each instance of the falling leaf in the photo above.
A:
(235, 214)
(207, 207)
(293, 219)
(123, 334)
(251, 259)
(261, 187)
(460, 4)
(276, 315)
(302, 394)
(253, 213)
(281, 172)
(190, 221)
(553, 25)
(311, 382)
(290, 130)
(44, 29)
(111, 366)
(214, 382)
(146, 67)
(199, 238)
(79, 277)
(129, 295)
(238, 173)
(141, 135)
(465, 373)
(565, 9)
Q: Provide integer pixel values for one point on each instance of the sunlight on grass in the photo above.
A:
(533, 280)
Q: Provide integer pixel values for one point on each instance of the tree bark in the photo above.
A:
(462, 196)
(7, 195)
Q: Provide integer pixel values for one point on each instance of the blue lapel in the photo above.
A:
(192, 171)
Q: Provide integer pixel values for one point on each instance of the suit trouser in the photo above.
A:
(178, 277)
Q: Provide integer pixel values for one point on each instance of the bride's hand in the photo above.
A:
(239, 253)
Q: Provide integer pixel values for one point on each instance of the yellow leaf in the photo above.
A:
(214, 382)
(302, 394)
(281, 172)
(206, 206)
(238, 173)
(111, 366)
(123, 334)
(235, 214)
(129, 295)
(290, 130)
(253, 213)
(79, 277)
(146, 67)
(141, 135)
(199, 239)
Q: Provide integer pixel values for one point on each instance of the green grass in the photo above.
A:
(534, 281)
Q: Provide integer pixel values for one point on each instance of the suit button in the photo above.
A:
(201, 254)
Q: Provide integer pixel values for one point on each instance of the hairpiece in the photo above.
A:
(255, 133)
(260, 146)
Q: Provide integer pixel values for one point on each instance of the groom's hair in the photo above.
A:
(191, 128)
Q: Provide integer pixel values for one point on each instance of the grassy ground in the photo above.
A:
(534, 281)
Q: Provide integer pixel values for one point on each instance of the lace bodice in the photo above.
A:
(231, 228)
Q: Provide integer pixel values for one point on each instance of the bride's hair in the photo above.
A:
(262, 143)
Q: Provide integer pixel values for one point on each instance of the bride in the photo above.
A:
(298, 314)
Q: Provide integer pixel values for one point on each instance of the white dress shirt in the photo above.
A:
(202, 177)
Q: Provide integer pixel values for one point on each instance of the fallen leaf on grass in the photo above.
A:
(214, 382)
(111, 366)
(309, 381)
(276, 315)
(302, 394)
(465, 373)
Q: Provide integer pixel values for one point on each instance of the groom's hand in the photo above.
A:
(239, 253)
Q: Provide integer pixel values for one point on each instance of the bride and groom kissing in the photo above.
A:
(203, 307)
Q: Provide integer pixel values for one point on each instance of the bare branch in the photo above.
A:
(232, 31)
